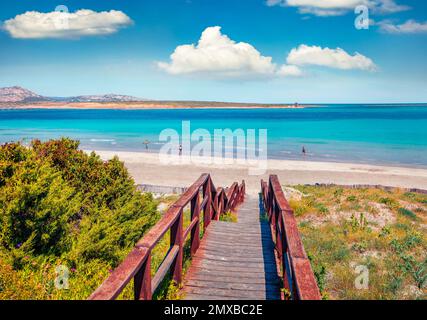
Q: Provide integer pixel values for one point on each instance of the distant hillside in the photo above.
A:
(21, 95)
(103, 98)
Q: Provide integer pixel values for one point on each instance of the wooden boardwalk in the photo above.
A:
(235, 261)
(232, 261)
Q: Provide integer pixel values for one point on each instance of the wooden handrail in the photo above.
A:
(137, 264)
(298, 276)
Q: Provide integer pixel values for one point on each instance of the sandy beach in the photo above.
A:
(146, 168)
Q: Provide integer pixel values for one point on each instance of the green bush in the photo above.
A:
(321, 208)
(319, 270)
(389, 202)
(351, 198)
(407, 213)
(62, 205)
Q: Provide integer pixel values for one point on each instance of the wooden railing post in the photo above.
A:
(217, 206)
(230, 203)
(270, 199)
(207, 213)
(273, 219)
(287, 273)
(279, 232)
(176, 239)
(215, 194)
(243, 191)
(195, 232)
(223, 204)
(142, 281)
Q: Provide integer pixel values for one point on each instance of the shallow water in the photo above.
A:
(378, 134)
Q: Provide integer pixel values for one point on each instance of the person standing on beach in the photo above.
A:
(304, 152)
(146, 142)
(180, 149)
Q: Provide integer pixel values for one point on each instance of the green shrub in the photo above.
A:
(61, 205)
(389, 202)
(410, 195)
(351, 198)
(416, 269)
(338, 192)
(385, 231)
(321, 208)
(319, 270)
(407, 213)
(360, 246)
(358, 224)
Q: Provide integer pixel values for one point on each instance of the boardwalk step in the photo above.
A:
(206, 267)
(232, 285)
(233, 258)
(240, 253)
(234, 264)
(239, 277)
(240, 294)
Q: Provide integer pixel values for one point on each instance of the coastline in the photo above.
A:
(146, 105)
(146, 168)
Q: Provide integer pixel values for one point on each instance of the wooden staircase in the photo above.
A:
(235, 261)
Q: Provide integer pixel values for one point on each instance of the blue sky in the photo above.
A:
(123, 53)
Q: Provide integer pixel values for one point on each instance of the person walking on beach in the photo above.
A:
(304, 152)
(180, 149)
(146, 142)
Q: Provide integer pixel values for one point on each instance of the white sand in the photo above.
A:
(146, 168)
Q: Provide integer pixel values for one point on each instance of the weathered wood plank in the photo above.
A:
(233, 258)
(240, 294)
(233, 286)
(235, 253)
(241, 237)
(234, 264)
(253, 244)
(236, 277)
(219, 269)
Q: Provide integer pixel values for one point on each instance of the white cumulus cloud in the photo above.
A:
(290, 71)
(324, 8)
(216, 53)
(333, 58)
(56, 24)
(410, 26)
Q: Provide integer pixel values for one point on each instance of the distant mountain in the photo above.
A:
(104, 98)
(20, 95)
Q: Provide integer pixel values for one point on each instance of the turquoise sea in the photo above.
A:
(377, 134)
